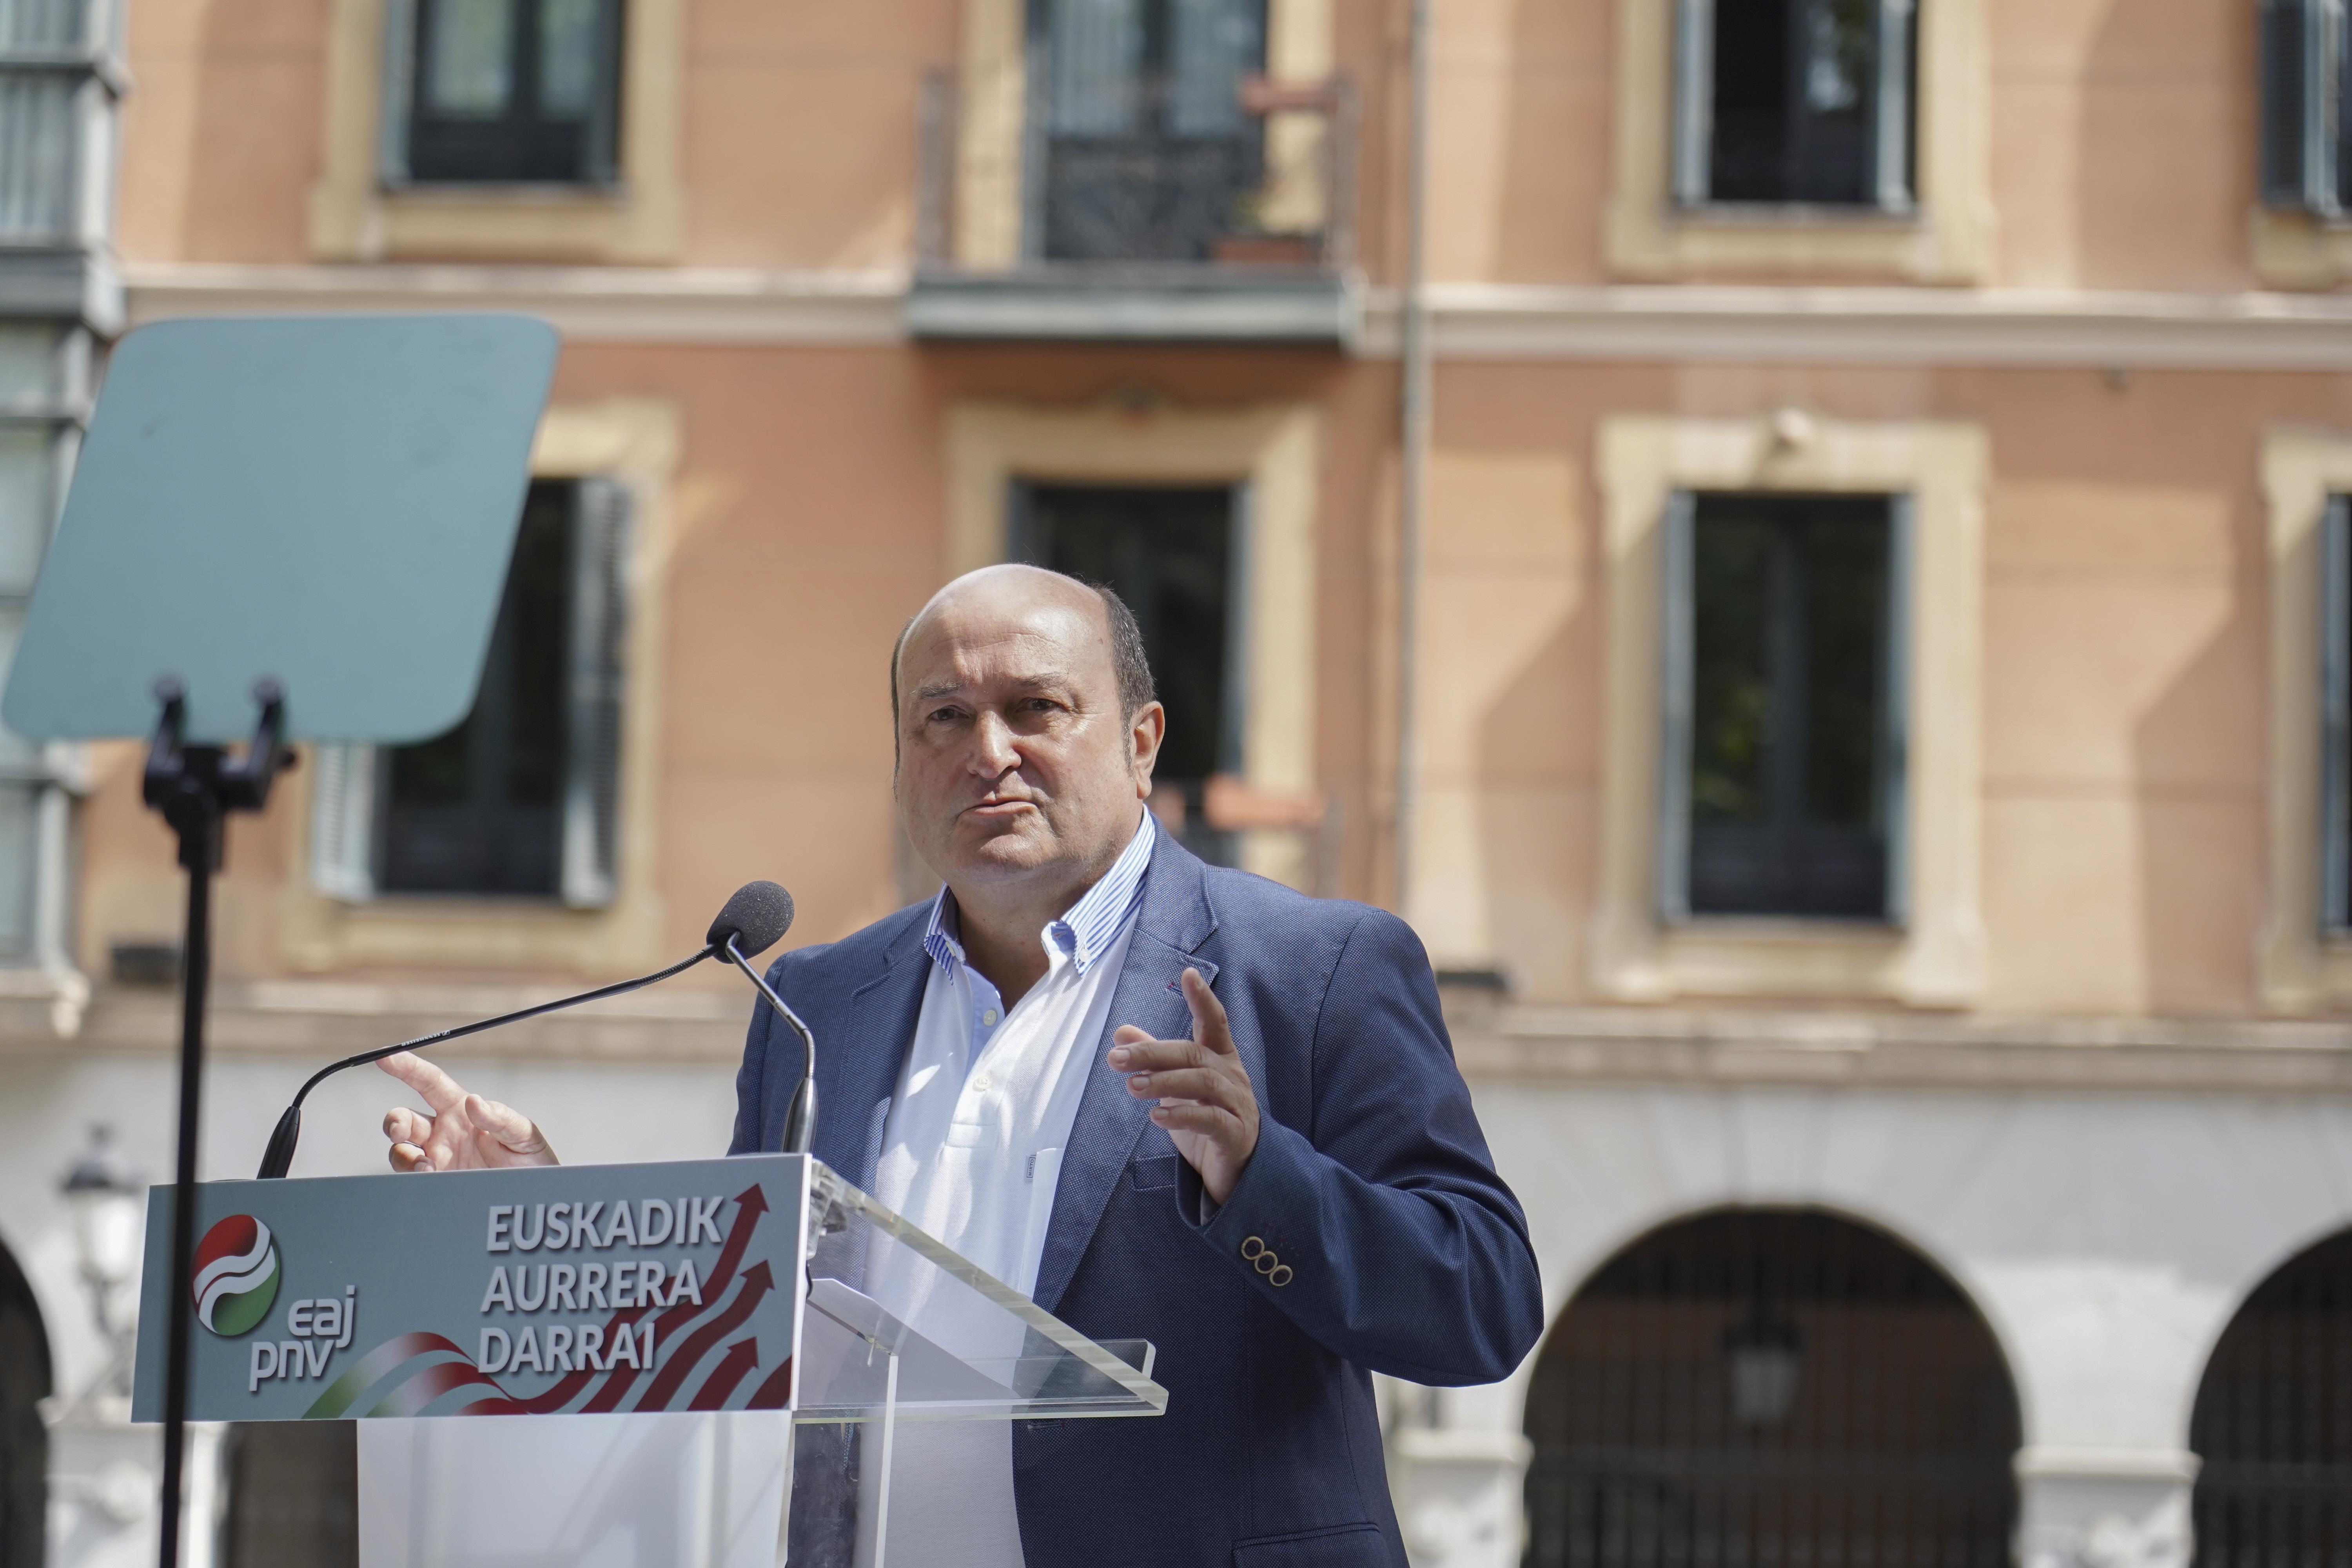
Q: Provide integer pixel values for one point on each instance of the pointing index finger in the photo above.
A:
(1209, 1026)
(440, 1090)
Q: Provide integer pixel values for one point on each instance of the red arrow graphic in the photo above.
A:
(773, 1393)
(750, 1204)
(757, 1282)
(733, 1367)
(559, 1395)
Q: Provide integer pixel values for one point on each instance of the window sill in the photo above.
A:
(484, 192)
(1817, 214)
(1656, 240)
(496, 223)
(2299, 249)
(426, 929)
(1178, 302)
(1764, 957)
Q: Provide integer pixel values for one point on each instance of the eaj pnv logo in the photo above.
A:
(237, 1274)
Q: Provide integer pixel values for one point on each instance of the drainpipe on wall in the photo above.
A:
(1414, 421)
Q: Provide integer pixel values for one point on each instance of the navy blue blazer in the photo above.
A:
(1370, 1183)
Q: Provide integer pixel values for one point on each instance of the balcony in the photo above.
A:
(1228, 223)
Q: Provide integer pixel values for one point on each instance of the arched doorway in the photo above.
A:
(1770, 1388)
(23, 1440)
(2274, 1421)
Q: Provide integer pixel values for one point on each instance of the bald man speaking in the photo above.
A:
(1233, 1108)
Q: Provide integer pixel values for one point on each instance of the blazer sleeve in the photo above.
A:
(1397, 1244)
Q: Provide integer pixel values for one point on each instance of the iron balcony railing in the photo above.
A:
(1274, 194)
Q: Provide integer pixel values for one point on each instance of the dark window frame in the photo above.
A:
(351, 793)
(1224, 751)
(1682, 843)
(1891, 97)
(1142, 196)
(2304, 140)
(520, 148)
(500, 834)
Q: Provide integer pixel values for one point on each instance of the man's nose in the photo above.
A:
(992, 751)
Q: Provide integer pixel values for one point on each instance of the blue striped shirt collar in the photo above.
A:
(1089, 927)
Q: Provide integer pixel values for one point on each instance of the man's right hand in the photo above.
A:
(463, 1132)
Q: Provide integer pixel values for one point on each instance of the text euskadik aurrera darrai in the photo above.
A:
(531, 1298)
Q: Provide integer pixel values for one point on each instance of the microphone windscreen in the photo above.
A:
(757, 917)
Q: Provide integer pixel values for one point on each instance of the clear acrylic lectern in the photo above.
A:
(897, 1337)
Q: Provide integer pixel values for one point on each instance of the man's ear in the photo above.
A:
(1144, 733)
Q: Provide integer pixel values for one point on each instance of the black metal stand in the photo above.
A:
(195, 788)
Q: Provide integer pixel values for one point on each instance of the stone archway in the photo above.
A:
(25, 1381)
(1770, 1388)
(2273, 1425)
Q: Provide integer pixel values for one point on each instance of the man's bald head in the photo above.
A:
(1014, 586)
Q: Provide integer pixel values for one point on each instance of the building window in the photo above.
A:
(1170, 553)
(1783, 745)
(1804, 102)
(1141, 147)
(520, 798)
(1756, 1387)
(46, 369)
(512, 92)
(2273, 1425)
(2302, 45)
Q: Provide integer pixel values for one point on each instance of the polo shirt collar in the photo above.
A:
(1086, 931)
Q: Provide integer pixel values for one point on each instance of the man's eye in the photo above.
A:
(942, 716)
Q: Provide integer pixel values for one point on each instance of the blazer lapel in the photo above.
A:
(858, 1068)
(1174, 921)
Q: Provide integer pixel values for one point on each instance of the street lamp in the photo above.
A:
(107, 1202)
(1767, 1358)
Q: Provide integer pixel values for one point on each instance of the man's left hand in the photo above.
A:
(1206, 1100)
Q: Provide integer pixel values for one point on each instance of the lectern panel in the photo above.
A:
(560, 1289)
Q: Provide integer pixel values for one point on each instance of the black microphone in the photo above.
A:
(755, 918)
(744, 925)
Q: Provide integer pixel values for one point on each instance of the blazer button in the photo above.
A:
(1253, 1249)
(1279, 1276)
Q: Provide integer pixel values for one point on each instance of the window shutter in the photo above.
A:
(1895, 730)
(1694, 99)
(592, 682)
(1232, 755)
(343, 822)
(2301, 68)
(399, 84)
(1891, 144)
(2335, 713)
(603, 163)
(1674, 674)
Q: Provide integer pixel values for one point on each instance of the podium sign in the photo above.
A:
(557, 1290)
(699, 1295)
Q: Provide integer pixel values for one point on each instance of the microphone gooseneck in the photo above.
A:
(799, 1121)
(279, 1156)
(754, 920)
